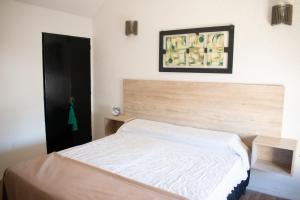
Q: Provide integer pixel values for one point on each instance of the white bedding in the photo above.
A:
(194, 163)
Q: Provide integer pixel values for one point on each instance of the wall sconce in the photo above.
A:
(282, 14)
(131, 27)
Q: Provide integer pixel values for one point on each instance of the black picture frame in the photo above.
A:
(229, 49)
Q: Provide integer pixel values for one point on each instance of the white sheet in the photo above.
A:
(194, 163)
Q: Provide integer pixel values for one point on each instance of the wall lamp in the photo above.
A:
(131, 27)
(282, 14)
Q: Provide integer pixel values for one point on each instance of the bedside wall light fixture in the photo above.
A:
(282, 14)
(131, 27)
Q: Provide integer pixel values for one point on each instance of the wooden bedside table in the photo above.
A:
(113, 123)
(274, 154)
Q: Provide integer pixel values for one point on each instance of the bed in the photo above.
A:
(193, 163)
(186, 142)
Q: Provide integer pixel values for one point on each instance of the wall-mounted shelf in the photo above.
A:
(275, 155)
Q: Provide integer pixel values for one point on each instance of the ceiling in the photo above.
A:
(85, 8)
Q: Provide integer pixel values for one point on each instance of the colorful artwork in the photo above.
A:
(175, 51)
(175, 43)
(196, 41)
(175, 58)
(215, 59)
(196, 49)
(196, 57)
(215, 42)
(215, 49)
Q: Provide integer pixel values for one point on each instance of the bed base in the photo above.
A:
(239, 190)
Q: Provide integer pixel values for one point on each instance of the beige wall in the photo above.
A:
(22, 129)
(262, 54)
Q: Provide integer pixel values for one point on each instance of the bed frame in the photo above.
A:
(245, 109)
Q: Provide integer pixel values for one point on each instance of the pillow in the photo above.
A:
(188, 135)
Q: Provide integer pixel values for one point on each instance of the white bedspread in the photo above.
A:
(194, 163)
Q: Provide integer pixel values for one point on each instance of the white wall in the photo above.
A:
(22, 128)
(262, 54)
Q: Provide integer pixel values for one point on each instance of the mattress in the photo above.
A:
(194, 163)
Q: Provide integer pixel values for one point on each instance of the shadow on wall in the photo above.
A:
(15, 156)
(269, 11)
(98, 121)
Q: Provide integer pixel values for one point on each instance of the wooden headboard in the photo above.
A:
(245, 109)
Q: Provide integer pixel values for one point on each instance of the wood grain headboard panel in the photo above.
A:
(239, 108)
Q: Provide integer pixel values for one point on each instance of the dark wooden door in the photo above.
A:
(66, 65)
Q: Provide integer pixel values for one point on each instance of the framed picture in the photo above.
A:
(202, 50)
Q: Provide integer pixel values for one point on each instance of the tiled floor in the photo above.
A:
(251, 195)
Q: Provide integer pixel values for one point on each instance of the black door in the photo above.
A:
(66, 63)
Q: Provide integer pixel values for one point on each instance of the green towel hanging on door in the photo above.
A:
(72, 117)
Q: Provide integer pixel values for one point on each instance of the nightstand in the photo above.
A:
(272, 154)
(113, 123)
